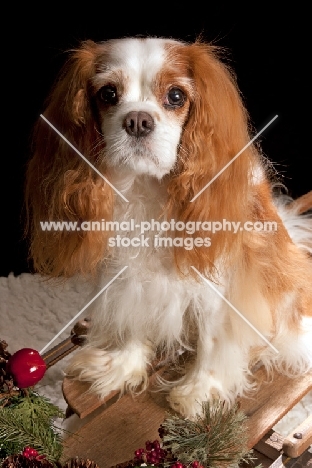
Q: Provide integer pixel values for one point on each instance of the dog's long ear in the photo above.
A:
(215, 132)
(60, 185)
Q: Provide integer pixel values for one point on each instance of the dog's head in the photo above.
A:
(154, 107)
(141, 97)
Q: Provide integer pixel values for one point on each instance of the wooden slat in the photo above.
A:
(272, 401)
(294, 446)
(270, 445)
(81, 401)
(112, 436)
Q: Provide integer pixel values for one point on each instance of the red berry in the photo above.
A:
(149, 445)
(27, 367)
(33, 453)
(29, 452)
(156, 444)
(138, 453)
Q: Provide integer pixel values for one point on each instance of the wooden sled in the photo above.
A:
(114, 428)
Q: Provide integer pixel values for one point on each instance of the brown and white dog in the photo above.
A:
(161, 119)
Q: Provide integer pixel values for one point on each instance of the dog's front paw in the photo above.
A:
(107, 371)
(187, 398)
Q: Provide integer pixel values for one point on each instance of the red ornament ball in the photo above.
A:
(26, 367)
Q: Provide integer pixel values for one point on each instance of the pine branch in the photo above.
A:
(36, 406)
(217, 438)
(21, 429)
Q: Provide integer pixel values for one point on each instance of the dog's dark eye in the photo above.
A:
(175, 98)
(108, 95)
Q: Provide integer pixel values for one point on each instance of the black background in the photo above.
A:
(269, 50)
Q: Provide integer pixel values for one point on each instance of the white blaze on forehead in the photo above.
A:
(133, 66)
(139, 60)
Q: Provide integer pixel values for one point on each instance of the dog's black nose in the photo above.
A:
(138, 124)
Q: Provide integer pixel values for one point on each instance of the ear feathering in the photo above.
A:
(60, 185)
(215, 132)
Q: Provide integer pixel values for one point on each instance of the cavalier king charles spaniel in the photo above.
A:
(173, 210)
